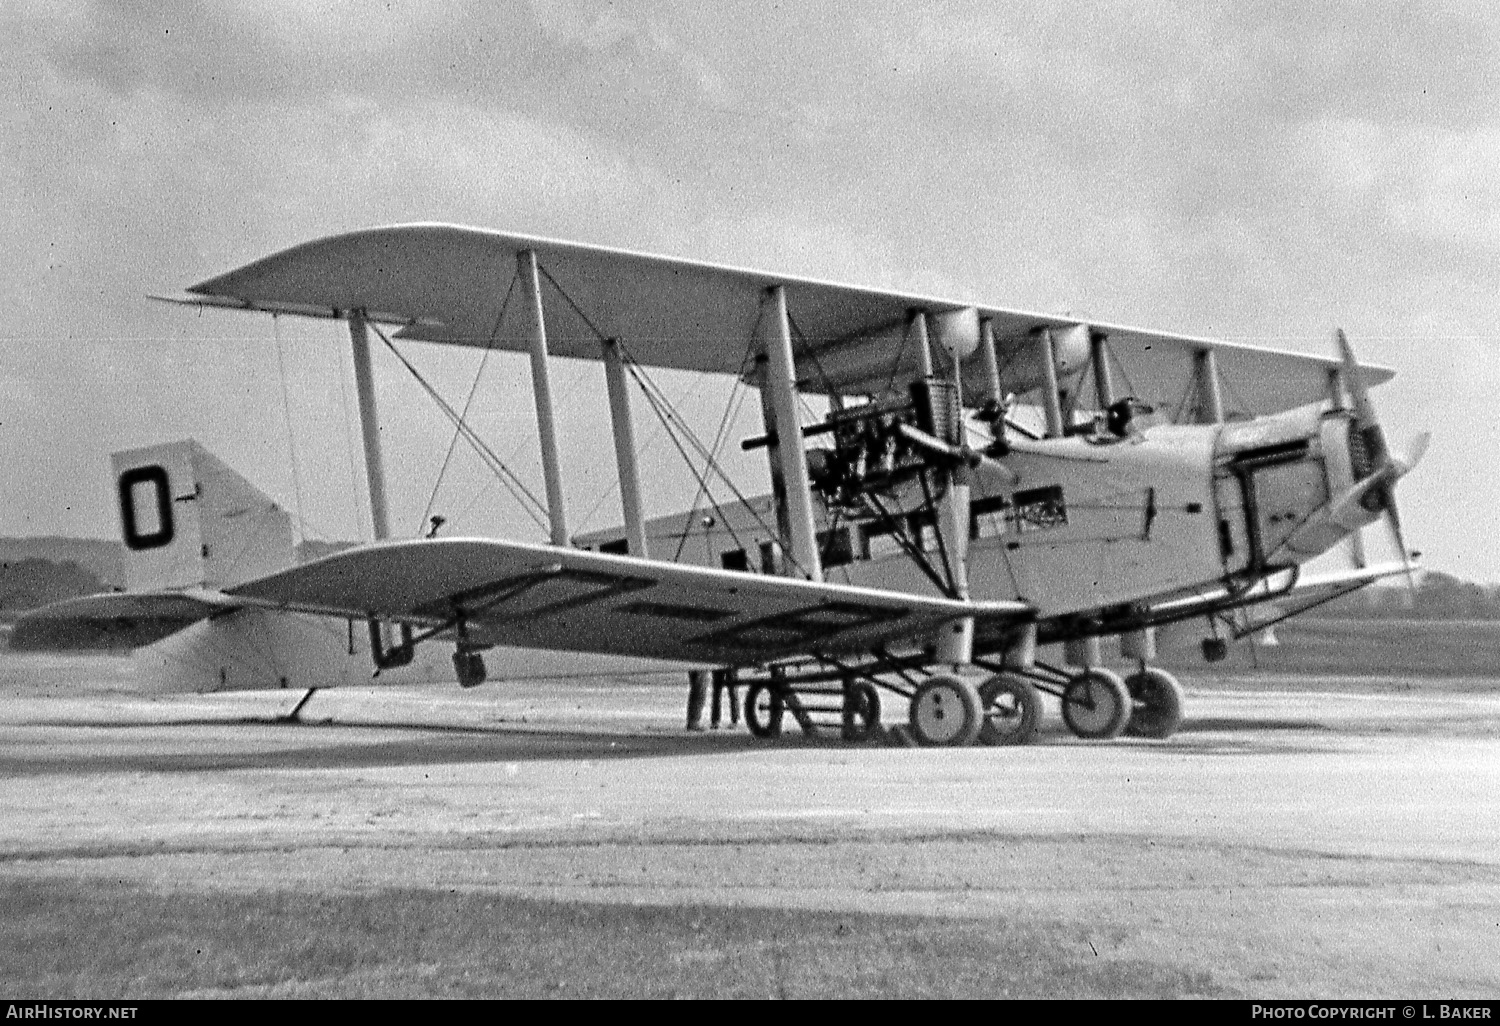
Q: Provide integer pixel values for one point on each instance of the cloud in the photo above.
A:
(1256, 170)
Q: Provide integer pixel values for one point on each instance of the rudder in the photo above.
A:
(188, 521)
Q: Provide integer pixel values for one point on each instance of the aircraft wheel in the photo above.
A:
(764, 708)
(861, 711)
(1096, 704)
(1012, 710)
(1158, 704)
(945, 711)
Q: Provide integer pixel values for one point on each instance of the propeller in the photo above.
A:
(1375, 469)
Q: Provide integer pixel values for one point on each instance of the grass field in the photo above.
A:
(105, 940)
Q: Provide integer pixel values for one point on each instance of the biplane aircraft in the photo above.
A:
(985, 481)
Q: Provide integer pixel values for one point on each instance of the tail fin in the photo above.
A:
(188, 520)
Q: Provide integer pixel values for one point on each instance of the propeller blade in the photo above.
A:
(1394, 520)
(1414, 453)
(1376, 492)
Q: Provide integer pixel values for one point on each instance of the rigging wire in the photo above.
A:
(665, 413)
(710, 463)
(731, 410)
(536, 509)
(1228, 386)
(662, 407)
(646, 446)
(291, 441)
(1113, 357)
(469, 402)
(890, 382)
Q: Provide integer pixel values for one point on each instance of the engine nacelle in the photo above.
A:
(864, 365)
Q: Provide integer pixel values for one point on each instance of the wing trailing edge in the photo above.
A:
(533, 596)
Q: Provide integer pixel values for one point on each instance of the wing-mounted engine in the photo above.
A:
(879, 452)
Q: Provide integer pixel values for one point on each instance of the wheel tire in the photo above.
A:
(861, 711)
(945, 712)
(1011, 710)
(1157, 704)
(1096, 704)
(764, 708)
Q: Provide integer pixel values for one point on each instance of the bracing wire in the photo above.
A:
(664, 414)
(731, 410)
(533, 506)
(291, 441)
(662, 408)
(1234, 394)
(469, 402)
(645, 447)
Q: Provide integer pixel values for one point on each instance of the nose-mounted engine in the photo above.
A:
(1292, 486)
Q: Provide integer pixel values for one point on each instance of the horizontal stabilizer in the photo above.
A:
(534, 596)
(1279, 584)
(111, 621)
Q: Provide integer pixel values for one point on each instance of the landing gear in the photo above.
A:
(765, 705)
(945, 711)
(861, 711)
(1157, 699)
(469, 665)
(1096, 704)
(1012, 710)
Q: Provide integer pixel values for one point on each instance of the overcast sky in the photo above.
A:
(1248, 171)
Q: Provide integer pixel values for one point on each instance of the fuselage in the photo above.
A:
(1073, 525)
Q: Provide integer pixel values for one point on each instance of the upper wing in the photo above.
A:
(450, 284)
(533, 596)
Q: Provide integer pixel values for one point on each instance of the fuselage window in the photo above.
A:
(618, 547)
(835, 548)
(1039, 509)
(987, 516)
(923, 527)
(880, 542)
(770, 558)
(735, 559)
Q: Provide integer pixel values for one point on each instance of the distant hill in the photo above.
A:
(103, 558)
(1437, 596)
(29, 583)
(36, 571)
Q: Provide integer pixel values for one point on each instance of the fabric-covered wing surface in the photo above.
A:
(449, 284)
(534, 596)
